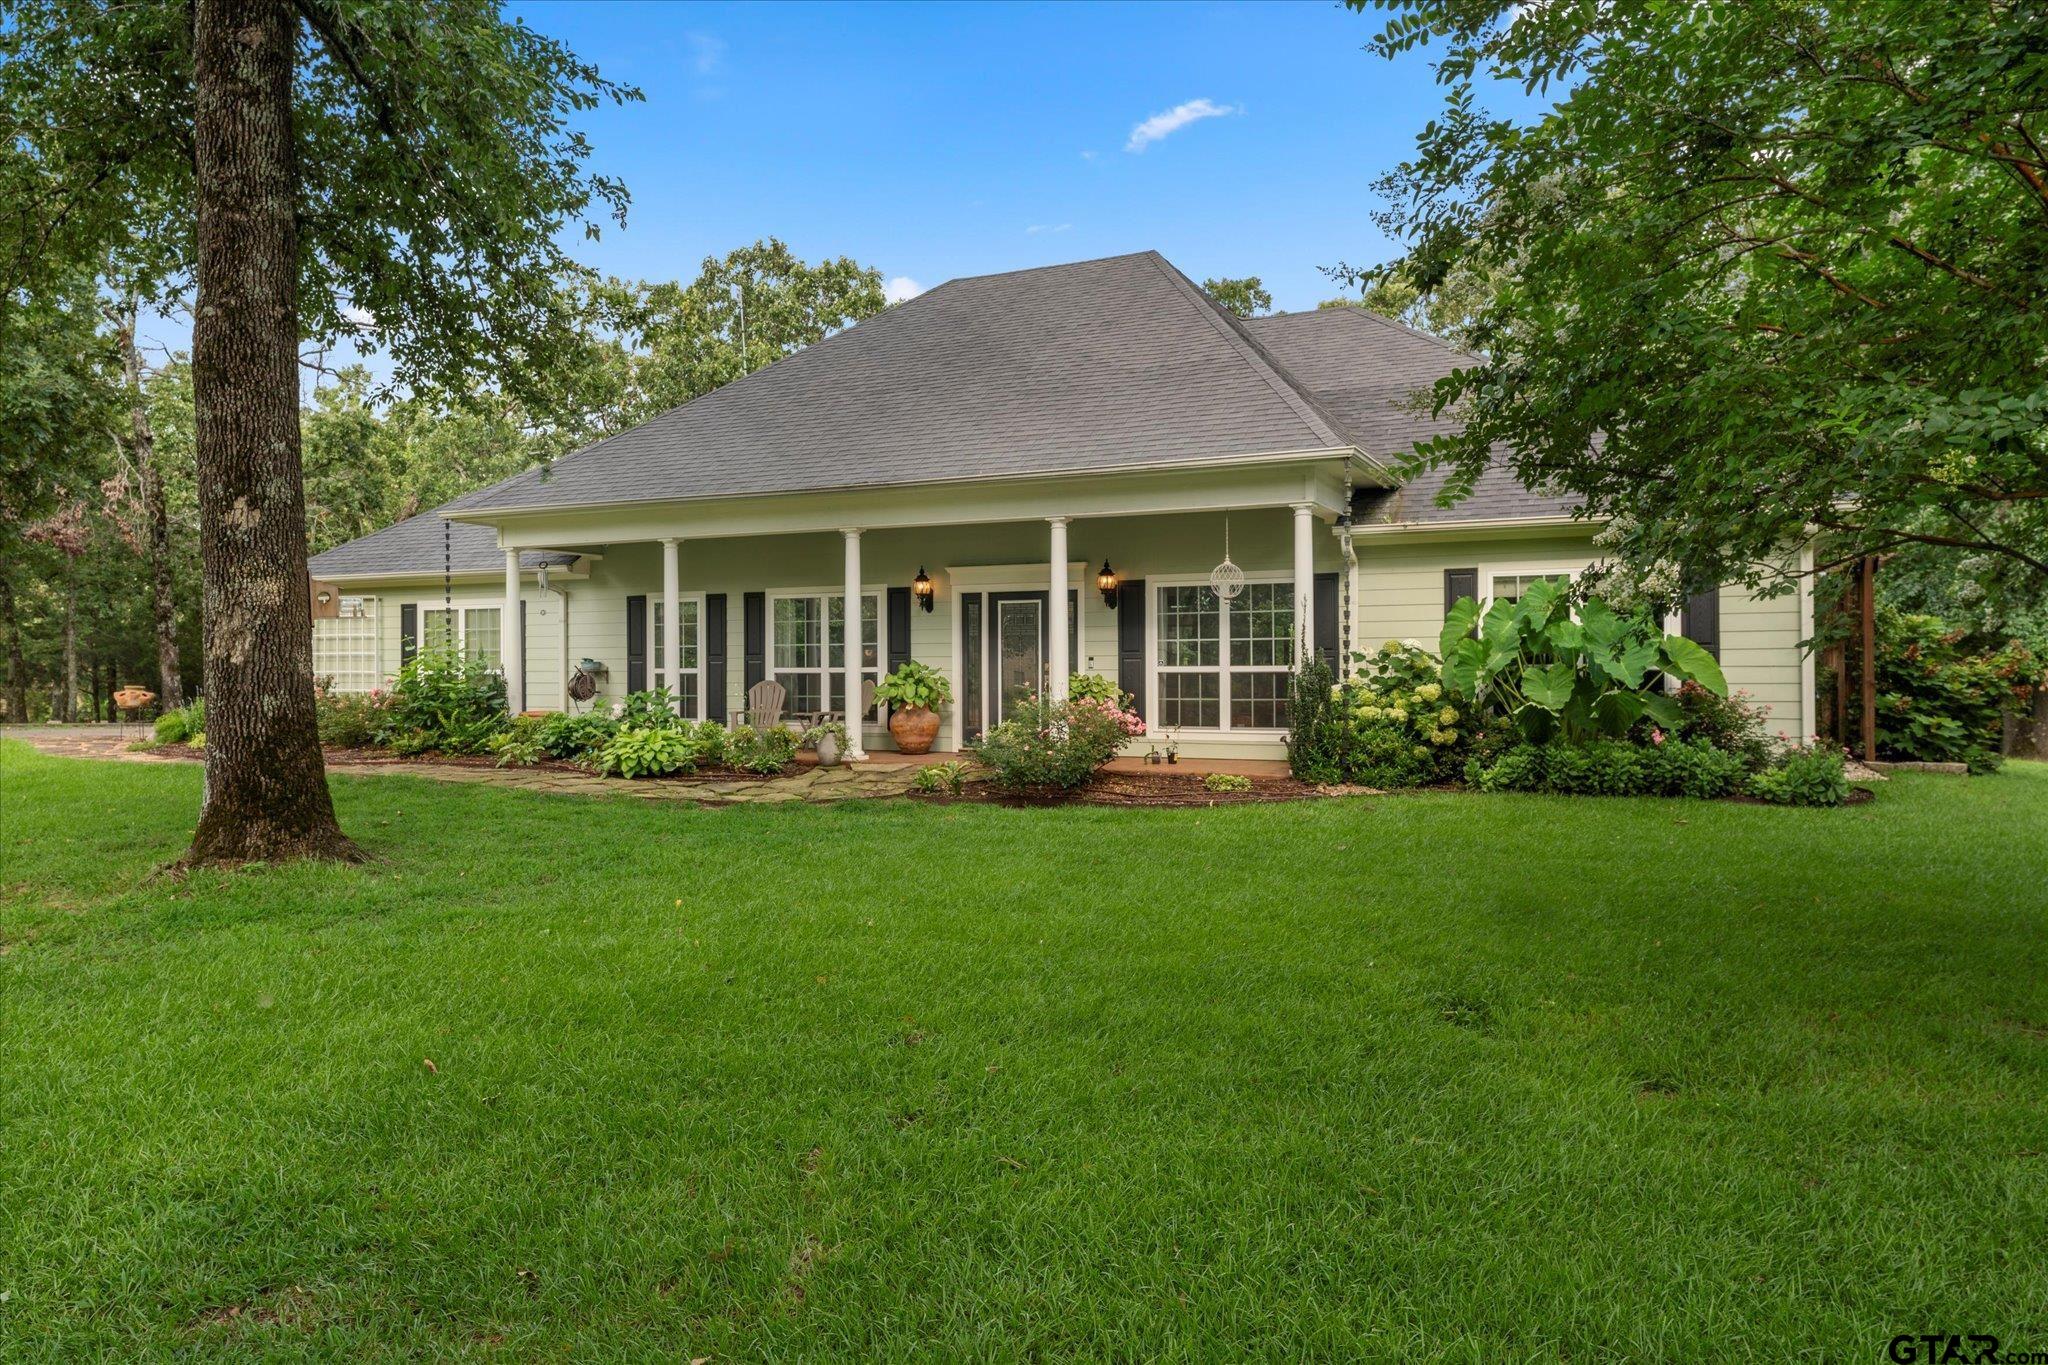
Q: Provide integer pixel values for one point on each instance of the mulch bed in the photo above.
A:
(1131, 789)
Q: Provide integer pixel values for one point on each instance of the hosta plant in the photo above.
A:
(650, 751)
(1561, 676)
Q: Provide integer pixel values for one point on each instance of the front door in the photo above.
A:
(1017, 658)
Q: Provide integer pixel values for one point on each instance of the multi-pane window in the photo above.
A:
(473, 632)
(345, 647)
(809, 649)
(1509, 587)
(688, 685)
(480, 634)
(1203, 685)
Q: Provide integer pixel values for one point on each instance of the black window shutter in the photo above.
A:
(899, 628)
(714, 656)
(1325, 638)
(1700, 622)
(408, 632)
(1130, 639)
(522, 654)
(754, 637)
(636, 644)
(1459, 583)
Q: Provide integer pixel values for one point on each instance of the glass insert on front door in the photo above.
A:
(1020, 656)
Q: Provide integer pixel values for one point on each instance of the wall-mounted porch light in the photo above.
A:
(921, 588)
(1106, 580)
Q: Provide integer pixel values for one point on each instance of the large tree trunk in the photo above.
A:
(142, 437)
(17, 666)
(267, 797)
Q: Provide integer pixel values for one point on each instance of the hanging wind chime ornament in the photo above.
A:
(1226, 580)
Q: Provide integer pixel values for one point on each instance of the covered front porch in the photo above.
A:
(1002, 604)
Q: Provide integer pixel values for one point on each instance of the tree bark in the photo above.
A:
(156, 514)
(17, 666)
(267, 797)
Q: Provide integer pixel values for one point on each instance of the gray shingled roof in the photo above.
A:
(1366, 370)
(415, 546)
(1102, 364)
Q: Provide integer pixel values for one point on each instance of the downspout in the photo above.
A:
(1347, 630)
(562, 635)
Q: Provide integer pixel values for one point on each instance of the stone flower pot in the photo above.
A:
(828, 750)
(915, 727)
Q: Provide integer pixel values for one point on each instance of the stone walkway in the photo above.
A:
(822, 785)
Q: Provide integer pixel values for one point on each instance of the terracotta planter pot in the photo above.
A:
(915, 728)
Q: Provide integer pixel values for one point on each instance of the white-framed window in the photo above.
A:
(807, 647)
(688, 685)
(1223, 665)
(474, 631)
(1508, 584)
(345, 646)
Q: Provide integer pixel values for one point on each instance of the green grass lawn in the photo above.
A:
(1430, 1075)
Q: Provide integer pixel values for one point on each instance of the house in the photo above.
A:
(1016, 476)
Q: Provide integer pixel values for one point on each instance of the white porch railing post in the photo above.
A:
(850, 637)
(510, 637)
(1060, 665)
(1304, 581)
(671, 613)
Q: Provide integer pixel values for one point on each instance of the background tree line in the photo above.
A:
(78, 610)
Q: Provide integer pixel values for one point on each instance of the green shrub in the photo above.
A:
(175, 727)
(1803, 777)
(914, 685)
(575, 738)
(1556, 675)
(647, 751)
(654, 708)
(761, 751)
(411, 743)
(1227, 782)
(1676, 767)
(1938, 703)
(1056, 744)
(1731, 724)
(1401, 728)
(458, 701)
(937, 777)
(520, 745)
(1315, 726)
(1095, 687)
(710, 738)
(349, 720)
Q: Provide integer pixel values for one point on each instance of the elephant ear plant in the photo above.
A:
(1573, 678)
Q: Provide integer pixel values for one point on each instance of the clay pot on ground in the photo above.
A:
(915, 727)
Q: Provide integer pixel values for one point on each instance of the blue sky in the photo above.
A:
(937, 140)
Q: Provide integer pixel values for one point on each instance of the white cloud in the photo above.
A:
(1040, 229)
(1174, 119)
(362, 319)
(901, 288)
(706, 51)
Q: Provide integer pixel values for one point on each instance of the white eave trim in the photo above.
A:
(486, 515)
(1413, 528)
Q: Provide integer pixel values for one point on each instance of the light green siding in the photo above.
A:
(1399, 593)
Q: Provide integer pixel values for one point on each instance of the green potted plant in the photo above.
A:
(915, 692)
(827, 741)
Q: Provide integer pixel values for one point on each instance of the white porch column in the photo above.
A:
(671, 612)
(1304, 581)
(1059, 665)
(851, 637)
(510, 636)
